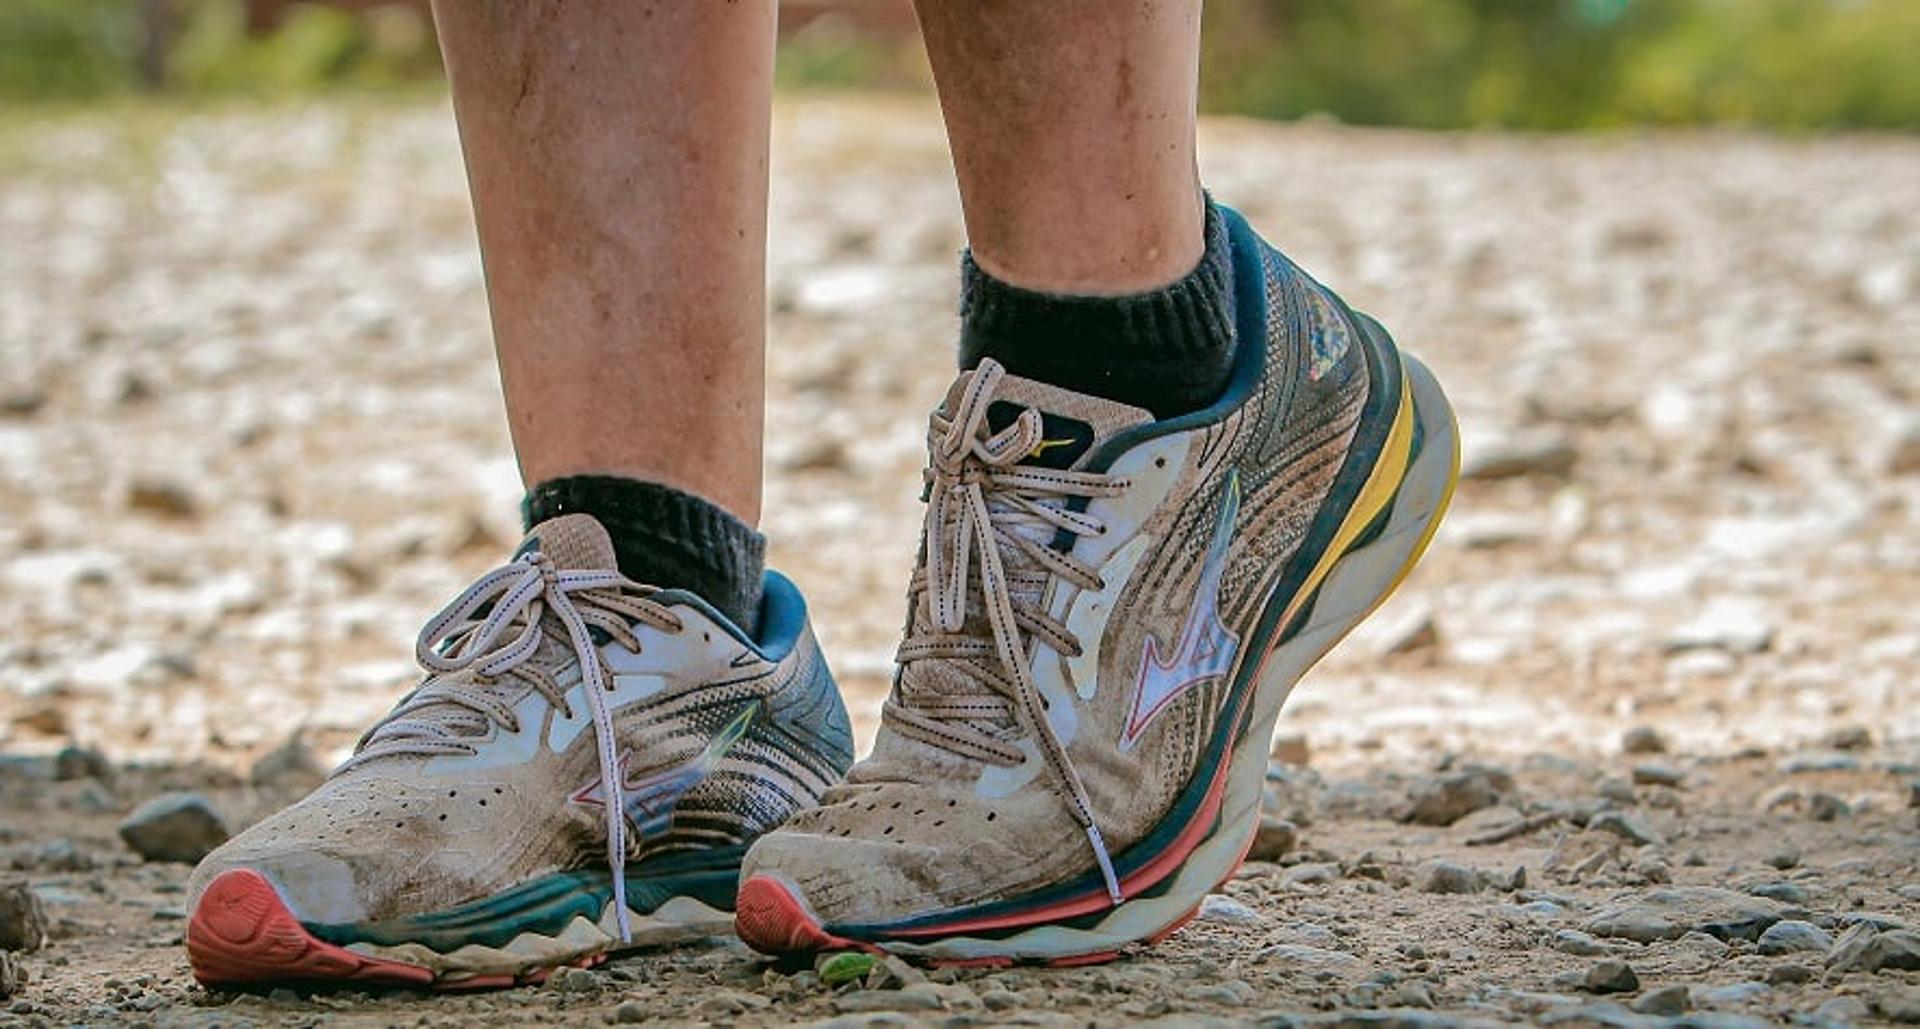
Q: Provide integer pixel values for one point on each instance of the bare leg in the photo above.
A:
(1072, 128)
(617, 152)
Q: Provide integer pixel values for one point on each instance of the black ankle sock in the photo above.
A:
(663, 537)
(1169, 350)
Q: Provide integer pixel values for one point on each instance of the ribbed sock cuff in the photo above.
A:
(663, 537)
(1168, 350)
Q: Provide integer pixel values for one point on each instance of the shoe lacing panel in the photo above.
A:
(985, 511)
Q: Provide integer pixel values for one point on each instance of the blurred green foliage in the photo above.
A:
(1531, 64)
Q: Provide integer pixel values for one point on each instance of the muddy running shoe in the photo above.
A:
(1108, 614)
(581, 770)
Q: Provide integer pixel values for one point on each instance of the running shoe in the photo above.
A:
(580, 771)
(1108, 613)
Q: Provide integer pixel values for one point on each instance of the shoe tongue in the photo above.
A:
(1072, 424)
(571, 541)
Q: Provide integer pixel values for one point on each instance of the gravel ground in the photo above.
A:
(1639, 743)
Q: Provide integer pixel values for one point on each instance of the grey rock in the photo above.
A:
(1825, 807)
(1627, 826)
(1898, 949)
(1227, 911)
(77, 762)
(1792, 936)
(1234, 993)
(1620, 791)
(575, 980)
(1784, 858)
(1850, 950)
(1657, 773)
(1848, 737)
(1312, 874)
(1577, 943)
(1447, 877)
(1445, 799)
(1546, 453)
(23, 920)
(290, 766)
(1665, 1000)
(1900, 1006)
(13, 975)
(1841, 1011)
(1828, 762)
(1784, 892)
(1643, 739)
(631, 1012)
(174, 827)
(1610, 976)
(1789, 974)
(1733, 995)
(886, 1000)
(1274, 838)
(1668, 914)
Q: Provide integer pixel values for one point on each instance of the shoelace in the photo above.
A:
(460, 638)
(979, 500)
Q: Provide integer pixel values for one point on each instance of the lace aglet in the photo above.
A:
(620, 916)
(1106, 864)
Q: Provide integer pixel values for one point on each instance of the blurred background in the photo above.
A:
(1525, 64)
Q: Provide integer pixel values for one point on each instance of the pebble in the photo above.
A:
(1825, 807)
(1611, 976)
(1784, 858)
(290, 766)
(77, 762)
(1643, 739)
(1667, 914)
(1517, 454)
(1784, 892)
(1789, 974)
(1274, 838)
(1664, 1000)
(1900, 1006)
(1841, 1011)
(886, 1000)
(180, 827)
(1620, 791)
(1792, 936)
(1445, 799)
(13, 975)
(1577, 943)
(1897, 949)
(1733, 995)
(1447, 877)
(1627, 826)
(1657, 773)
(1235, 993)
(1226, 911)
(23, 920)
(162, 498)
(631, 1012)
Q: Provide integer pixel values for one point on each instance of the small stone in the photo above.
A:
(1656, 773)
(1620, 791)
(1666, 1000)
(174, 827)
(13, 975)
(1733, 995)
(75, 762)
(1896, 949)
(1642, 739)
(1841, 1011)
(1627, 826)
(1784, 892)
(23, 921)
(1792, 936)
(1234, 993)
(162, 498)
(1848, 737)
(1274, 838)
(1784, 858)
(576, 980)
(886, 1000)
(1545, 453)
(1901, 1007)
(290, 766)
(1577, 943)
(1789, 975)
(1226, 911)
(999, 1000)
(631, 1012)
(283, 995)
(1411, 994)
(1825, 807)
(1312, 874)
(1611, 976)
(1290, 748)
(1445, 799)
(1447, 877)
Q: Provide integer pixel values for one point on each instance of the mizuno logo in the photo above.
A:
(650, 799)
(1048, 444)
(1206, 647)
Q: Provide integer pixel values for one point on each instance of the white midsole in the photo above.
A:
(1357, 583)
(678, 920)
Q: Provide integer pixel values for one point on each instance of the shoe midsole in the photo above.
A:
(548, 904)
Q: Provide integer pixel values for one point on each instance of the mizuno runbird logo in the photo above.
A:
(650, 799)
(1206, 647)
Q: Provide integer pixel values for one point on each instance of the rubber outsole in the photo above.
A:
(242, 934)
(770, 917)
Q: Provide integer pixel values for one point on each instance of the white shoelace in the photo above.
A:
(460, 639)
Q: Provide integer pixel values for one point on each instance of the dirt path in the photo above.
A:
(249, 436)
